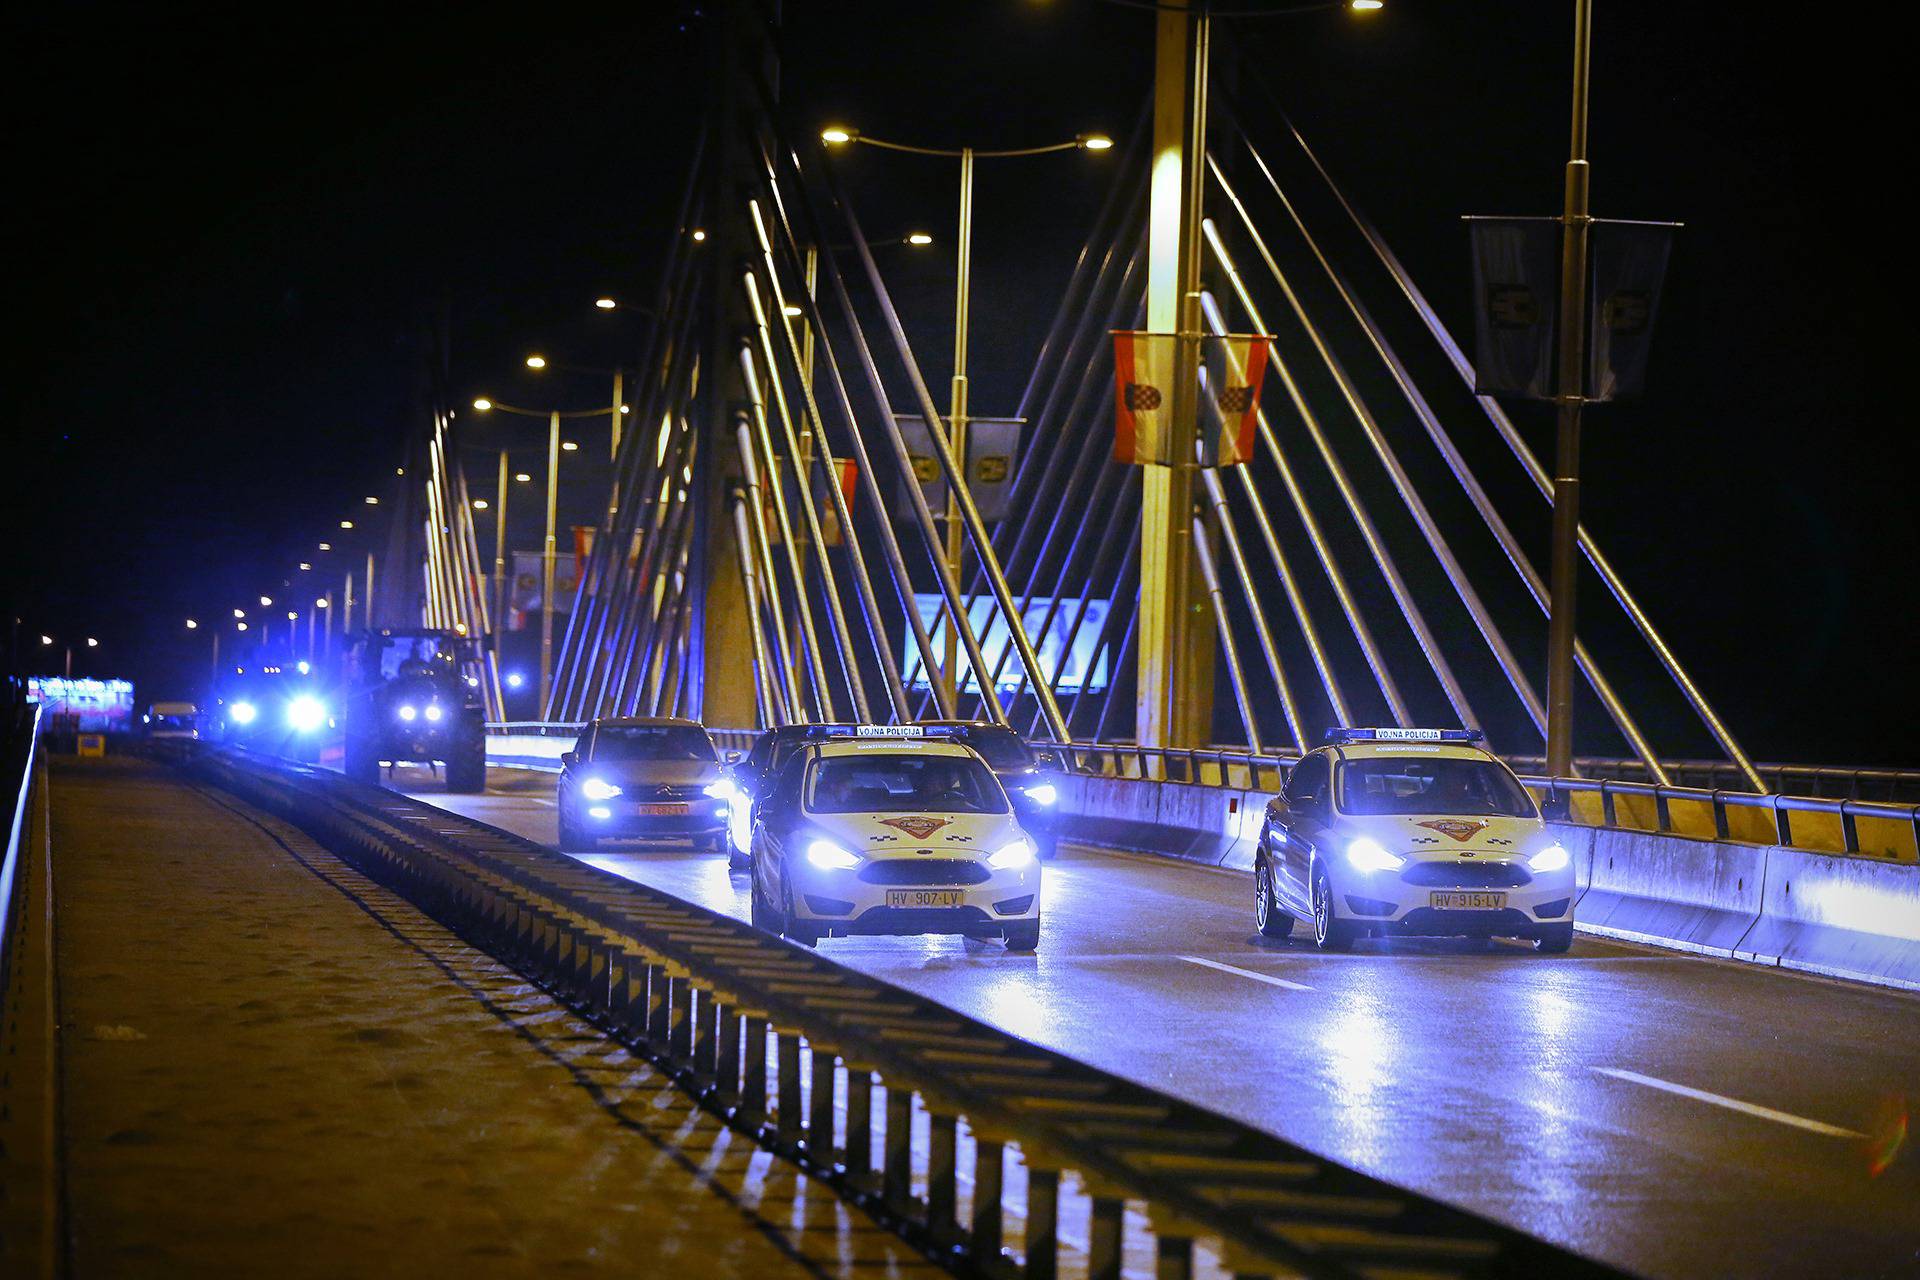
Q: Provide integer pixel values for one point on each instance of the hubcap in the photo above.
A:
(1261, 908)
(1322, 909)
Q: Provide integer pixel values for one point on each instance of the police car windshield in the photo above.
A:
(1438, 784)
(651, 742)
(897, 782)
(1001, 748)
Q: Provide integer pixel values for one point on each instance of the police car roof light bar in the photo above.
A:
(1339, 734)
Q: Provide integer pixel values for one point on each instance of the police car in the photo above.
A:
(1410, 831)
(876, 829)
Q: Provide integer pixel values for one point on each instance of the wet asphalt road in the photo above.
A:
(1673, 1115)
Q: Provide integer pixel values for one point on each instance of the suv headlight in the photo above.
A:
(598, 789)
(1367, 854)
(1044, 793)
(828, 856)
(409, 712)
(1551, 858)
(433, 711)
(1012, 857)
(242, 712)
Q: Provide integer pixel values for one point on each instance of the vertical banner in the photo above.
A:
(1230, 369)
(1515, 292)
(991, 444)
(1629, 267)
(1143, 366)
(845, 473)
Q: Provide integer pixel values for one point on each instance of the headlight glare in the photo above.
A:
(306, 713)
(1012, 857)
(721, 790)
(409, 712)
(598, 789)
(828, 856)
(1367, 854)
(1551, 858)
(242, 712)
(1046, 794)
(433, 711)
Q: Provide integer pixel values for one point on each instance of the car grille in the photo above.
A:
(650, 792)
(924, 871)
(1462, 872)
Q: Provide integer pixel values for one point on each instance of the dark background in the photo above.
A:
(230, 228)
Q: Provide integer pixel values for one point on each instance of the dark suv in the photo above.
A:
(1030, 778)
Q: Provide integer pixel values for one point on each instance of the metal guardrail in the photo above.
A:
(16, 761)
(730, 1011)
(1229, 767)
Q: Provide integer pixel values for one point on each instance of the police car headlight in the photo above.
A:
(409, 712)
(828, 856)
(306, 713)
(598, 789)
(1012, 857)
(1369, 855)
(1551, 858)
(242, 712)
(433, 711)
(1046, 793)
(600, 811)
(721, 790)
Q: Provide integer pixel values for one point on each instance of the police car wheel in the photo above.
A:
(791, 924)
(1024, 936)
(759, 913)
(1273, 922)
(1330, 933)
(1554, 939)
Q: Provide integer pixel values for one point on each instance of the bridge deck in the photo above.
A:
(1538, 1090)
(270, 1064)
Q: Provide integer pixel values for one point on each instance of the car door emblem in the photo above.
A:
(1454, 827)
(918, 828)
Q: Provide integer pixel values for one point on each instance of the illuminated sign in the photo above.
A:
(85, 705)
(1076, 664)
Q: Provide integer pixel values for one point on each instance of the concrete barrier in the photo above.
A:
(527, 750)
(1846, 917)
(1697, 895)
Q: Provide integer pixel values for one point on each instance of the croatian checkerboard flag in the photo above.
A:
(1229, 371)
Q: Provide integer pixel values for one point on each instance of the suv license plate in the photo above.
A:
(926, 898)
(1468, 901)
(661, 810)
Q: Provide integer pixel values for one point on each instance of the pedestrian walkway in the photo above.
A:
(272, 1066)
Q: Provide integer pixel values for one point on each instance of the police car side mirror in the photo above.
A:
(568, 759)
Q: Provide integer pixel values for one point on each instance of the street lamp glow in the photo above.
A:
(1366, 6)
(373, 502)
(536, 362)
(346, 524)
(838, 133)
(320, 602)
(626, 408)
(266, 602)
(239, 613)
(46, 640)
(192, 625)
(305, 567)
(605, 304)
(483, 404)
(326, 546)
(1096, 141)
(919, 238)
(92, 643)
(292, 616)
(522, 477)
(791, 309)
(239, 626)
(479, 504)
(699, 235)
(568, 445)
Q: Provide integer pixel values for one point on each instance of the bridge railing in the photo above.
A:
(1885, 830)
(22, 738)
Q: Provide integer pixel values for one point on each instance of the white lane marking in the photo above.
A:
(1267, 978)
(1731, 1104)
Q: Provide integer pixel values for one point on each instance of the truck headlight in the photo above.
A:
(409, 712)
(1370, 855)
(1551, 858)
(433, 711)
(242, 712)
(598, 789)
(306, 713)
(828, 856)
(1012, 857)
(1044, 794)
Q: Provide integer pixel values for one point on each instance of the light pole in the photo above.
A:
(963, 284)
(1575, 223)
(553, 417)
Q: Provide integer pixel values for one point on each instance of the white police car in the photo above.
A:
(1410, 831)
(873, 829)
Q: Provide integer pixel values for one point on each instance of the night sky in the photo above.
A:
(231, 228)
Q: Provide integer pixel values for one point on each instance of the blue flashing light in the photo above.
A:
(1338, 735)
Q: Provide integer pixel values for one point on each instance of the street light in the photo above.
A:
(605, 304)
(192, 625)
(536, 362)
(346, 524)
(840, 134)
(92, 643)
(239, 613)
(266, 602)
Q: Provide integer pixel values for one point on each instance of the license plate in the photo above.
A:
(926, 898)
(661, 810)
(1469, 901)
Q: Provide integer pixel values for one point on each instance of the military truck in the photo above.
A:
(413, 697)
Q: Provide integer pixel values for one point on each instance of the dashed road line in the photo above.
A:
(1731, 1104)
(1267, 978)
